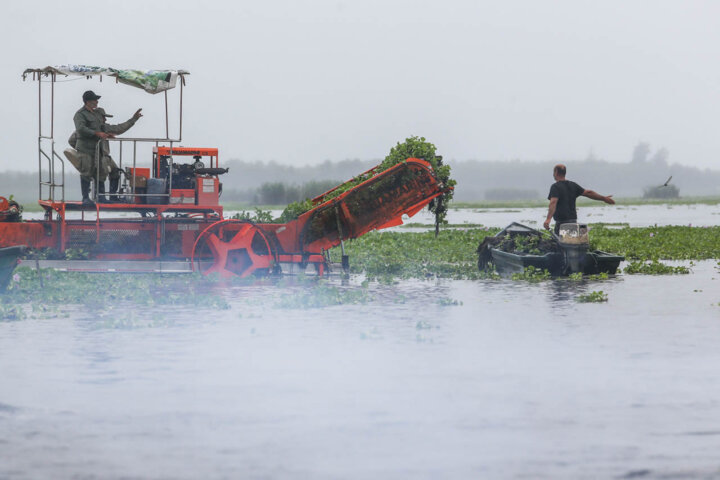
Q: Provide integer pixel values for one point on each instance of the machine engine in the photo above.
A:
(184, 183)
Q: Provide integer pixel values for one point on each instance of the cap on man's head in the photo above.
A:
(101, 111)
(89, 96)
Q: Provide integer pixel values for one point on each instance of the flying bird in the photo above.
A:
(667, 182)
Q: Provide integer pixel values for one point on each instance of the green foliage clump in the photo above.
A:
(10, 313)
(294, 210)
(448, 302)
(412, 147)
(323, 295)
(76, 254)
(598, 276)
(418, 147)
(593, 297)
(532, 274)
(415, 255)
(53, 254)
(579, 277)
(259, 216)
(51, 291)
(654, 268)
(528, 244)
(453, 253)
(655, 243)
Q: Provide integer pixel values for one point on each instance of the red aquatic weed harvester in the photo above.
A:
(167, 217)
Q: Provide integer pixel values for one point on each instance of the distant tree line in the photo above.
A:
(279, 193)
(509, 194)
(257, 183)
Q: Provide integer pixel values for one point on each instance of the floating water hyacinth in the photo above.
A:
(592, 297)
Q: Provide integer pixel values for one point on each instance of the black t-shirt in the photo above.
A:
(566, 191)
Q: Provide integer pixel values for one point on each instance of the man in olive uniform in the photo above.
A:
(108, 167)
(89, 131)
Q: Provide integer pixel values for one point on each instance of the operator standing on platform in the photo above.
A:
(108, 165)
(90, 128)
(562, 199)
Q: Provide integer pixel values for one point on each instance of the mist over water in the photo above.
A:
(427, 379)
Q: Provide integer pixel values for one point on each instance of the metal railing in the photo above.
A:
(55, 164)
(133, 185)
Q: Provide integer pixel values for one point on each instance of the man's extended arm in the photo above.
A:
(121, 128)
(596, 196)
(551, 212)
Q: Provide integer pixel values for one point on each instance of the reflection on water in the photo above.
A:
(449, 379)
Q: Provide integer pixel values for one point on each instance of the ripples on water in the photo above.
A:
(517, 381)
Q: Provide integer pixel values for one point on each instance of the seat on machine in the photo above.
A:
(72, 155)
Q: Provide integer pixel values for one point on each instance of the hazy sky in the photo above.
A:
(302, 82)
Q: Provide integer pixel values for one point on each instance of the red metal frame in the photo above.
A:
(159, 235)
(184, 151)
(177, 230)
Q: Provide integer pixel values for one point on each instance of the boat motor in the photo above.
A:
(574, 243)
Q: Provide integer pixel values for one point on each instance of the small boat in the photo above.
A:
(517, 247)
(8, 261)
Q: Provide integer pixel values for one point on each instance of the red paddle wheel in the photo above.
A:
(236, 247)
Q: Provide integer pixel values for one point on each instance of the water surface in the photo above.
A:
(699, 215)
(516, 380)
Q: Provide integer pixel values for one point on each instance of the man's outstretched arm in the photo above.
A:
(596, 196)
(551, 212)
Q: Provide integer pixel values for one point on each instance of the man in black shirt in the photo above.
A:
(562, 199)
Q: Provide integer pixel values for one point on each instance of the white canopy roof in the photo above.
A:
(152, 81)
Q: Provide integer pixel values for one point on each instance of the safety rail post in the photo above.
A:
(167, 124)
(62, 187)
(52, 168)
(134, 178)
(182, 82)
(39, 138)
(170, 169)
(52, 105)
(63, 228)
(52, 137)
(51, 182)
(97, 172)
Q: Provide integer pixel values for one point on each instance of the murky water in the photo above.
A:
(518, 381)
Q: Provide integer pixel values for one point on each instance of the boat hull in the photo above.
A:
(8, 261)
(594, 263)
